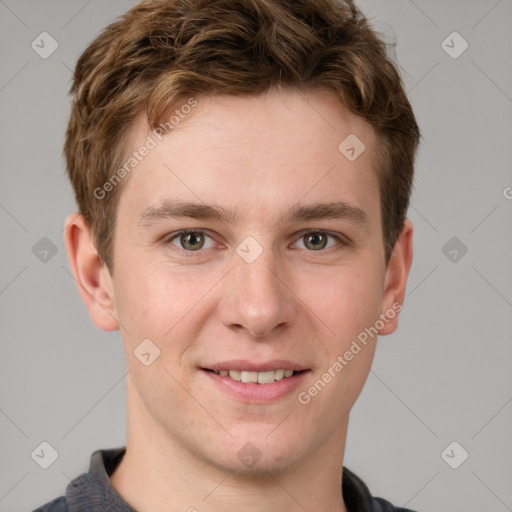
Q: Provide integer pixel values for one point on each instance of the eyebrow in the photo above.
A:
(298, 212)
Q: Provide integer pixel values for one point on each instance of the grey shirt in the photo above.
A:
(93, 492)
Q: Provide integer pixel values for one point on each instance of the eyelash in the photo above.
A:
(341, 242)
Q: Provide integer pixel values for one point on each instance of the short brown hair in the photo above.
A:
(162, 52)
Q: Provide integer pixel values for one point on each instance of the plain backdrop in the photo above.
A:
(443, 377)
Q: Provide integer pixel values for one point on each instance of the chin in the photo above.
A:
(256, 455)
(256, 469)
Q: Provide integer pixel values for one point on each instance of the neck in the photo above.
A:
(160, 474)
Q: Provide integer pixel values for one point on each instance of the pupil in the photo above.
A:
(315, 238)
(192, 240)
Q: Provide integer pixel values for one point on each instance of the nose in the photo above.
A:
(258, 298)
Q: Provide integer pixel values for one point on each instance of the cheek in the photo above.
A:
(163, 304)
(154, 305)
(147, 293)
(349, 305)
(347, 298)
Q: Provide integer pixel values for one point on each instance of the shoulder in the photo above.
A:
(92, 490)
(56, 505)
(358, 498)
(381, 505)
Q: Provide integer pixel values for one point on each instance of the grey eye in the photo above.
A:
(192, 241)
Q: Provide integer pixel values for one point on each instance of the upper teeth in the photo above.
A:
(259, 377)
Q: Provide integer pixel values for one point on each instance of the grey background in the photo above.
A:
(443, 376)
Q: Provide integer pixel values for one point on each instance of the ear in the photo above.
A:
(396, 279)
(91, 274)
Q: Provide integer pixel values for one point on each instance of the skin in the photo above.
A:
(259, 155)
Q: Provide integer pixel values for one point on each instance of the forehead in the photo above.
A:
(256, 154)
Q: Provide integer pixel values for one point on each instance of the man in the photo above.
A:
(243, 171)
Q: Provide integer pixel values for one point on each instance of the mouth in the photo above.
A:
(256, 383)
(252, 377)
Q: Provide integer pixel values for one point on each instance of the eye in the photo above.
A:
(319, 240)
(191, 241)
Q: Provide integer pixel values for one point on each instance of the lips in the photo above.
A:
(256, 373)
(257, 382)
(265, 377)
(251, 366)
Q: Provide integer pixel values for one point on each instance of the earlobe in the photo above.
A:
(91, 274)
(395, 283)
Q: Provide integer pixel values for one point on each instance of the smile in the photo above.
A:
(265, 377)
(251, 382)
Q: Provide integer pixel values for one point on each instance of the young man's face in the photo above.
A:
(256, 290)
